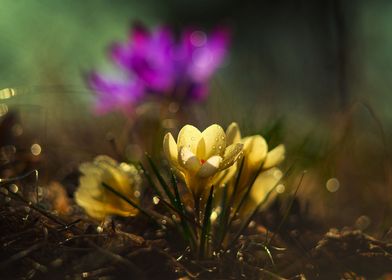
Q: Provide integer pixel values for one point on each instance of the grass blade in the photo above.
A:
(130, 202)
(206, 224)
(224, 224)
(287, 210)
(150, 180)
(161, 180)
(246, 223)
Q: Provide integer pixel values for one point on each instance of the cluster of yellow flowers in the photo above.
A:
(201, 159)
(212, 157)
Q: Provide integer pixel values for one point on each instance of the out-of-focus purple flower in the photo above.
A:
(155, 63)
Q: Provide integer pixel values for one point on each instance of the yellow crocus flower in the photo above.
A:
(256, 156)
(259, 165)
(199, 156)
(99, 202)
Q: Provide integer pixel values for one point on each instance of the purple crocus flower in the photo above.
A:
(155, 63)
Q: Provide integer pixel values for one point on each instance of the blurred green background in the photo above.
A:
(303, 62)
(284, 56)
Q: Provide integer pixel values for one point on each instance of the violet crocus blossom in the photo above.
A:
(155, 63)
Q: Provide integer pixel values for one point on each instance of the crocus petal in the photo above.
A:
(189, 136)
(232, 154)
(210, 167)
(255, 151)
(207, 58)
(139, 34)
(120, 53)
(265, 182)
(114, 94)
(274, 157)
(233, 134)
(170, 149)
(96, 200)
(215, 142)
(189, 160)
(151, 61)
(224, 176)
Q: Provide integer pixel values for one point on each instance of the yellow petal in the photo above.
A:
(170, 150)
(114, 177)
(188, 160)
(214, 142)
(274, 157)
(189, 136)
(105, 159)
(210, 167)
(265, 183)
(255, 151)
(224, 176)
(99, 202)
(232, 154)
(233, 134)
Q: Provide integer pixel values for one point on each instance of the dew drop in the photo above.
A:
(13, 188)
(155, 200)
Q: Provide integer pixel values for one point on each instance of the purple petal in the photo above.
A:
(121, 54)
(207, 56)
(152, 62)
(113, 95)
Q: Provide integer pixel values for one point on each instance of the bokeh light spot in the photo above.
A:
(198, 38)
(280, 188)
(36, 149)
(333, 185)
